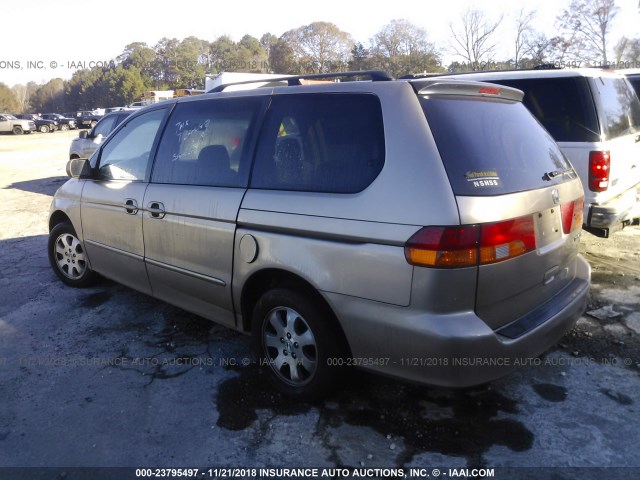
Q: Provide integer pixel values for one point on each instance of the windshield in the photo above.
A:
(11, 117)
(493, 147)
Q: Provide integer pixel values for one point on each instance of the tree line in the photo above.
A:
(399, 48)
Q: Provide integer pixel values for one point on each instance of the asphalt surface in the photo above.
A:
(108, 377)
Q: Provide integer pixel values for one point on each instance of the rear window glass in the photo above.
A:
(564, 106)
(493, 147)
(332, 143)
(620, 106)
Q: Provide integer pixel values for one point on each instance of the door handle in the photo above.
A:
(130, 206)
(156, 209)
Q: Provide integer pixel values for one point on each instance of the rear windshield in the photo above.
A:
(493, 147)
(564, 106)
(620, 106)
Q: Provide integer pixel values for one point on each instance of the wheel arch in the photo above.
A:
(58, 217)
(267, 279)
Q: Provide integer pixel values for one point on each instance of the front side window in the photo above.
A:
(205, 143)
(331, 143)
(126, 155)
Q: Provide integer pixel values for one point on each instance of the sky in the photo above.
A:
(45, 40)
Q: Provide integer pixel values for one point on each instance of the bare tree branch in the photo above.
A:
(474, 41)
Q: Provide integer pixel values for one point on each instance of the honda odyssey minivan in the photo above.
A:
(409, 228)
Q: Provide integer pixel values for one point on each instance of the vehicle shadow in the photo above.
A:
(45, 186)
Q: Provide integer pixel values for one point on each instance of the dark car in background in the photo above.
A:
(42, 125)
(85, 118)
(65, 123)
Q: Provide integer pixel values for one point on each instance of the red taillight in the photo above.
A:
(504, 240)
(443, 247)
(572, 215)
(599, 164)
(450, 247)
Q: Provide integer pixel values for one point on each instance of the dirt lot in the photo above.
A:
(111, 377)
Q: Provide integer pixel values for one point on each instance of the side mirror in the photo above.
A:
(79, 168)
(83, 134)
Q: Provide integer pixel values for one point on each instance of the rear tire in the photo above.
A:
(17, 130)
(68, 257)
(297, 340)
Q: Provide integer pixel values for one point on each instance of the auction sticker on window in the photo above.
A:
(483, 179)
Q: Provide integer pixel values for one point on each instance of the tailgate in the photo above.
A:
(511, 288)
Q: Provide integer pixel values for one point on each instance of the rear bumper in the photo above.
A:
(616, 211)
(454, 350)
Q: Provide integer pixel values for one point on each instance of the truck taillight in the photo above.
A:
(469, 246)
(572, 215)
(599, 165)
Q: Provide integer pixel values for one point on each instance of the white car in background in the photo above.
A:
(88, 141)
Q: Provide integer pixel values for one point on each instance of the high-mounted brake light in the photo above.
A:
(468, 246)
(489, 91)
(599, 165)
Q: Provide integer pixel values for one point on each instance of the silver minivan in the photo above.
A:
(424, 229)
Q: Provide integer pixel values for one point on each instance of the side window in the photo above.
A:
(331, 143)
(105, 126)
(126, 155)
(204, 143)
(620, 106)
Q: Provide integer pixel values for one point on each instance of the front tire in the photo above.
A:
(299, 343)
(43, 129)
(64, 127)
(68, 257)
(17, 130)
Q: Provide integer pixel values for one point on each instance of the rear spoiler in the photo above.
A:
(466, 88)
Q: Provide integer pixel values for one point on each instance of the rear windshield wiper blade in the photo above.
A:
(556, 173)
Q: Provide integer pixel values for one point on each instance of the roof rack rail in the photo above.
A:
(293, 80)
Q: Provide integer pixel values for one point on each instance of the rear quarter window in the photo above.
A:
(635, 83)
(620, 106)
(492, 146)
(331, 143)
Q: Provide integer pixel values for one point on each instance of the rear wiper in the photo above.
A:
(556, 173)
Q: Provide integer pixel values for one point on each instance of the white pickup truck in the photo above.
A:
(17, 126)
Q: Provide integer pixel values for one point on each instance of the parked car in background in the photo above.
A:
(17, 126)
(425, 229)
(64, 123)
(594, 115)
(85, 118)
(88, 141)
(42, 125)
